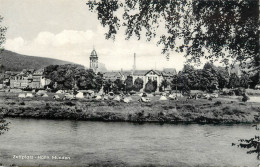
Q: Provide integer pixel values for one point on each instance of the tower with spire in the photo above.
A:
(93, 60)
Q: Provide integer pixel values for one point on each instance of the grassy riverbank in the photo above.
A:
(221, 110)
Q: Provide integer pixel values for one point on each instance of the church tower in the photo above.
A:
(93, 61)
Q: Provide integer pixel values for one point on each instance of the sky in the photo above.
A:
(67, 30)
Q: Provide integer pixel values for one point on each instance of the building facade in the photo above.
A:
(93, 61)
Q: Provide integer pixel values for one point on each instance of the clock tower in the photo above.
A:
(93, 61)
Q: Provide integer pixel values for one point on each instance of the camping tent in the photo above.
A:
(56, 97)
(79, 95)
(130, 98)
(60, 91)
(163, 98)
(143, 99)
(21, 95)
(44, 95)
(29, 95)
(172, 97)
(117, 98)
(110, 95)
(126, 100)
(41, 92)
(98, 98)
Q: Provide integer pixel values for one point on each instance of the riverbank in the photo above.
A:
(220, 110)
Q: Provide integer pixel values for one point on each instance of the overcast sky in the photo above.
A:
(67, 30)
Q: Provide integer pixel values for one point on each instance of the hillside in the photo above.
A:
(16, 62)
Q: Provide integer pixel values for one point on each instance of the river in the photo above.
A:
(129, 144)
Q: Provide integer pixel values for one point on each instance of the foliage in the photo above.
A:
(209, 80)
(107, 86)
(244, 80)
(149, 86)
(138, 84)
(233, 81)
(3, 125)
(164, 84)
(2, 41)
(216, 30)
(253, 144)
(223, 77)
(72, 76)
(118, 85)
(154, 85)
(129, 83)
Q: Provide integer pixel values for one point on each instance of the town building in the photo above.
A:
(29, 79)
(93, 61)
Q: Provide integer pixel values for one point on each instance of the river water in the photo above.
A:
(128, 144)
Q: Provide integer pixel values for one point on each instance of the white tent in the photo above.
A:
(56, 97)
(130, 98)
(79, 95)
(29, 95)
(60, 91)
(21, 95)
(126, 100)
(173, 97)
(105, 97)
(98, 98)
(143, 99)
(117, 98)
(163, 98)
(44, 95)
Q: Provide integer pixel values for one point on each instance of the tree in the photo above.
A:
(154, 85)
(70, 76)
(252, 143)
(209, 79)
(164, 84)
(244, 80)
(223, 77)
(3, 123)
(118, 85)
(129, 83)
(107, 86)
(233, 81)
(149, 86)
(2, 41)
(216, 30)
(138, 84)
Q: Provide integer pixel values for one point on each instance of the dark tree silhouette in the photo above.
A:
(138, 84)
(213, 29)
(3, 123)
(253, 144)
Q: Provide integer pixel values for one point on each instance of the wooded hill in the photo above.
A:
(16, 62)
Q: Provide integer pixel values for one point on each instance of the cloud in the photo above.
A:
(76, 46)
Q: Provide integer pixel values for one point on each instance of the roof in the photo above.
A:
(170, 71)
(156, 72)
(111, 74)
(126, 73)
(140, 72)
(93, 53)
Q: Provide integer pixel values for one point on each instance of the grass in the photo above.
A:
(220, 110)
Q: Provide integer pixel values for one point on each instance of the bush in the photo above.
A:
(239, 91)
(22, 103)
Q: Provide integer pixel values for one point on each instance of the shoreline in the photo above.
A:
(201, 111)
